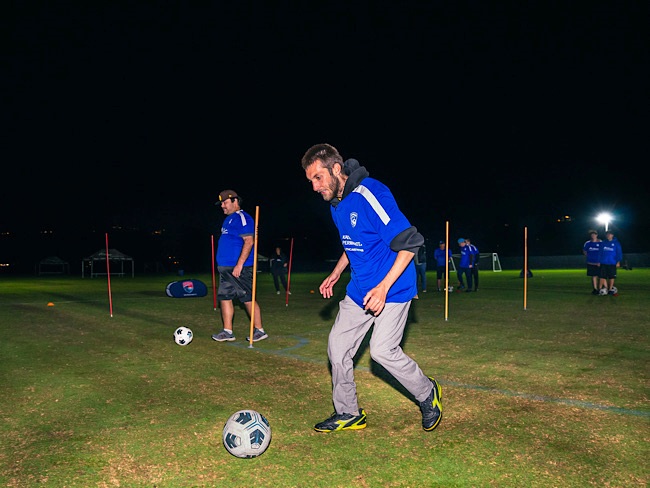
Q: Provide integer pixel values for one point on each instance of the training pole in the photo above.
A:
(108, 275)
(253, 308)
(525, 266)
(446, 271)
(286, 303)
(214, 286)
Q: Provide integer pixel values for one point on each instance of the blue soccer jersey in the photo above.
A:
(473, 250)
(464, 257)
(233, 229)
(592, 251)
(610, 252)
(368, 219)
(439, 256)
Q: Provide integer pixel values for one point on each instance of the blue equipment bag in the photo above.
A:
(186, 289)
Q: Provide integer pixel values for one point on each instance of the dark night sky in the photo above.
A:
(480, 113)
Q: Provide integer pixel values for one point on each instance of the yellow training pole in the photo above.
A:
(446, 270)
(253, 307)
(525, 265)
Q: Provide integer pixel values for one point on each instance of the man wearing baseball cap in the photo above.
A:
(235, 265)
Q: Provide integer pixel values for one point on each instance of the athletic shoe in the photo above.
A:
(277, 292)
(258, 335)
(223, 336)
(612, 293)
(344, 421)
(431, 408)
(594, 292)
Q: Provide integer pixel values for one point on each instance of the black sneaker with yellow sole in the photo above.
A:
(431, 408)
(343, 421)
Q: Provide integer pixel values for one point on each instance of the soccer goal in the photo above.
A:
(494, 257)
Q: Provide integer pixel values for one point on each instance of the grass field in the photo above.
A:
(551, 395)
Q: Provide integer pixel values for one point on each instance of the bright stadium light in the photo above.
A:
(604, 218)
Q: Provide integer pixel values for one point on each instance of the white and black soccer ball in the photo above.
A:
(450, 289)
(183, 336)
(603, 291)
(615, 290)
(247, 434)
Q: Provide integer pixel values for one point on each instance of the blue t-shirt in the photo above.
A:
(610, 252)
(233, 230)
(439, 256)
(368, 219)
(593, 250)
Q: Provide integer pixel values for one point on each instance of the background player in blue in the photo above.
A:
(610, 257)
(591, 250)
(441, 255)
(464, 268)
(378, 244)
(474, 259)
(235, 266)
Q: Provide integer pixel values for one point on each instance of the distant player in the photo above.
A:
(591, 250)
(610, 258)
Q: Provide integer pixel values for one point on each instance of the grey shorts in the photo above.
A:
(232, 288)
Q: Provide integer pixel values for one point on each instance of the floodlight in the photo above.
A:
(604, 218)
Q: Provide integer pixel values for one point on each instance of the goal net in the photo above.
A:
(495, 264)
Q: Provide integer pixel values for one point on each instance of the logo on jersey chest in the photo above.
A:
(353, 219)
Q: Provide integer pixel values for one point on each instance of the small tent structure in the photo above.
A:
(53, 265)
(96, 263)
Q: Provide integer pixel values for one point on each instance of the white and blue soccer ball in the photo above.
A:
(183, 336)
(246, 434)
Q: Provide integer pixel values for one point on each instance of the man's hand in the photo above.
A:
(375, 300)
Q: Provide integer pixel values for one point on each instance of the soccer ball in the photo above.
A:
(615, 290)
(450, 289)
(247, 434)
(183, 336)
(603, 291)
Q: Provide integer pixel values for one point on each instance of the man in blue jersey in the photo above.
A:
(442, 255)
(235, 266)
(378, 244)
(474, 259)
(464, 266)
(610, 256)
(591, 250)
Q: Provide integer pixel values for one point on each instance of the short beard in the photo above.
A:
(334, 187)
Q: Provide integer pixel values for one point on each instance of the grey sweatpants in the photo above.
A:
(349, 329)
